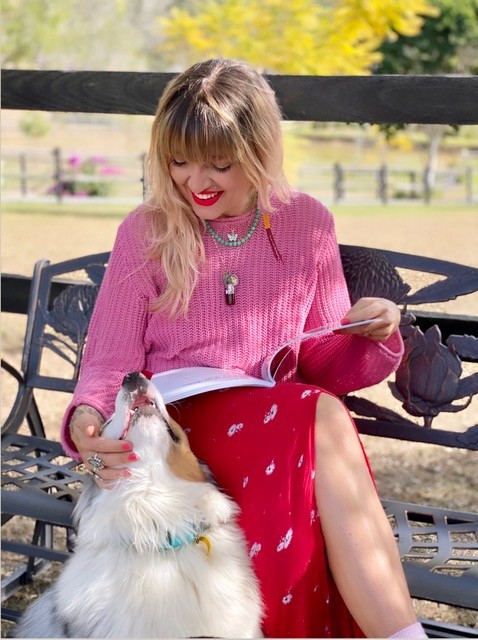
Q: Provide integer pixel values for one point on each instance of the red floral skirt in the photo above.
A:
(259, 445)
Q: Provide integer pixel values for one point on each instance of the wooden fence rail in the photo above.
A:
(59, 179)
(364, 99)
(375, 99)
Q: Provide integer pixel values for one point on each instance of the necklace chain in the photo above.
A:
(230, 280)
(234, 241)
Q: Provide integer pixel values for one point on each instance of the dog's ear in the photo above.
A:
(208, 474)
(182, 461)
(177, 430)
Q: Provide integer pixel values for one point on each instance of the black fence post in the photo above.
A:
(469, 185)
(22, 158)
(413, 184)
(382, 176)
(58, 174)
(426, 185)
(339, 182)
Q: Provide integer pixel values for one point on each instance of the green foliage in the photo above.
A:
(296, 37)
(31, 29)
(447, 43)
(34, 124)
(76, 34)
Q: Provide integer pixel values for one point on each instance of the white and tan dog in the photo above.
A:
(160, 554)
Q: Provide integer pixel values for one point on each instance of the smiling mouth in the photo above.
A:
(206, 198)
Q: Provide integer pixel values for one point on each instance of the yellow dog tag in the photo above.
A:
(206, 542)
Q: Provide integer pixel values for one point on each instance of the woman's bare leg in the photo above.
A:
(361, 548)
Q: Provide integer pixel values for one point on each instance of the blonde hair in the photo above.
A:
(217, 108)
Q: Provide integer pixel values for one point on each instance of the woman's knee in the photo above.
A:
(332, 420)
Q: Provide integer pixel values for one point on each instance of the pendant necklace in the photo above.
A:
(230, 280)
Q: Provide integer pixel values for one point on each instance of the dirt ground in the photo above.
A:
(405, 471)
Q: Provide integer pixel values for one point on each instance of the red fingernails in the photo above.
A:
(127, 446)
(133, 457)
(127, 473)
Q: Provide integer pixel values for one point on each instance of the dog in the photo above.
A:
(158, 555)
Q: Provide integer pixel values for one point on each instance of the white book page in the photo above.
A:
(189, 381)
(177, 384)
(266, 365)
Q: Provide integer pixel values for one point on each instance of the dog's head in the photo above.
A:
(141, 417)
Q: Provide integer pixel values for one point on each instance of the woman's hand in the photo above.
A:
(100, 455)
(386, 317)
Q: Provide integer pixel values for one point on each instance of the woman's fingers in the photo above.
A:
(384, 313)
(108, 459)
(105, 459)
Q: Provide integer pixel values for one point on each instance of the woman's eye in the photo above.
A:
(178, 163)
(222, 169)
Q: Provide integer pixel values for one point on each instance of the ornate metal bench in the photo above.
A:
(439, 547)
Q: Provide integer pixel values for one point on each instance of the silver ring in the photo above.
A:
(95, 461)
(92, 474)
(367, 334)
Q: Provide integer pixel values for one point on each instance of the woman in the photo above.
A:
(221, 265)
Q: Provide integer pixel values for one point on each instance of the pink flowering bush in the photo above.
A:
(75, 182)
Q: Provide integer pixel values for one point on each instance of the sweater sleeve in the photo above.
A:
(341, 363)
(115, 343)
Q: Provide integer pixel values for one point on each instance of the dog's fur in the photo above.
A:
(123, 580)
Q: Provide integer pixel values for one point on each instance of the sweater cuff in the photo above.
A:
(394, 346)
(68, 445)
(66, 441)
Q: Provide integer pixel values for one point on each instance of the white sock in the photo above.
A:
(413, 631)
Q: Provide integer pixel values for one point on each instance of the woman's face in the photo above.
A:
(215, 190)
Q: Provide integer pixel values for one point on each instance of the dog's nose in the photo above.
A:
(131, 379)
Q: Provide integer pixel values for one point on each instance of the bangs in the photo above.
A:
(198, 133)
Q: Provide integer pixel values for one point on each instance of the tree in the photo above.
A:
(297, 37)
(31, 30)
(447, 43)
(77, 34)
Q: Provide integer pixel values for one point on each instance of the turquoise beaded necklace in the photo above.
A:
(233, 240)
(230, 280)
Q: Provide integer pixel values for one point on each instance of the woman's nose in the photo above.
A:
(198, 179)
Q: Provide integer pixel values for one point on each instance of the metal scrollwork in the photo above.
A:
(70, 317)
(369, 274)
(428, 380)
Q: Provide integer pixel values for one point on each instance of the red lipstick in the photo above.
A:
(206, 198)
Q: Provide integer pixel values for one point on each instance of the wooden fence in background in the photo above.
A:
(30, 175)
(362, 99)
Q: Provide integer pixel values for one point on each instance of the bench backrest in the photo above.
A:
(62, 298)
(429, 381)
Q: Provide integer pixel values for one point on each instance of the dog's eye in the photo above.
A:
(172, 435)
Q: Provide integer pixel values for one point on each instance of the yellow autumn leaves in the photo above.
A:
(294, 37)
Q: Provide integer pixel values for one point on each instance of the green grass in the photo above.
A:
(92, 209)
(406, 210)
(88, 208)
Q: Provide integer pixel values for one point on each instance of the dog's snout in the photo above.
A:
(131, 380)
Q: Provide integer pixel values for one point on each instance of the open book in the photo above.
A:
(177, 384)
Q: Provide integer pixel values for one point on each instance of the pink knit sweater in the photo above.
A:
(274, 302)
